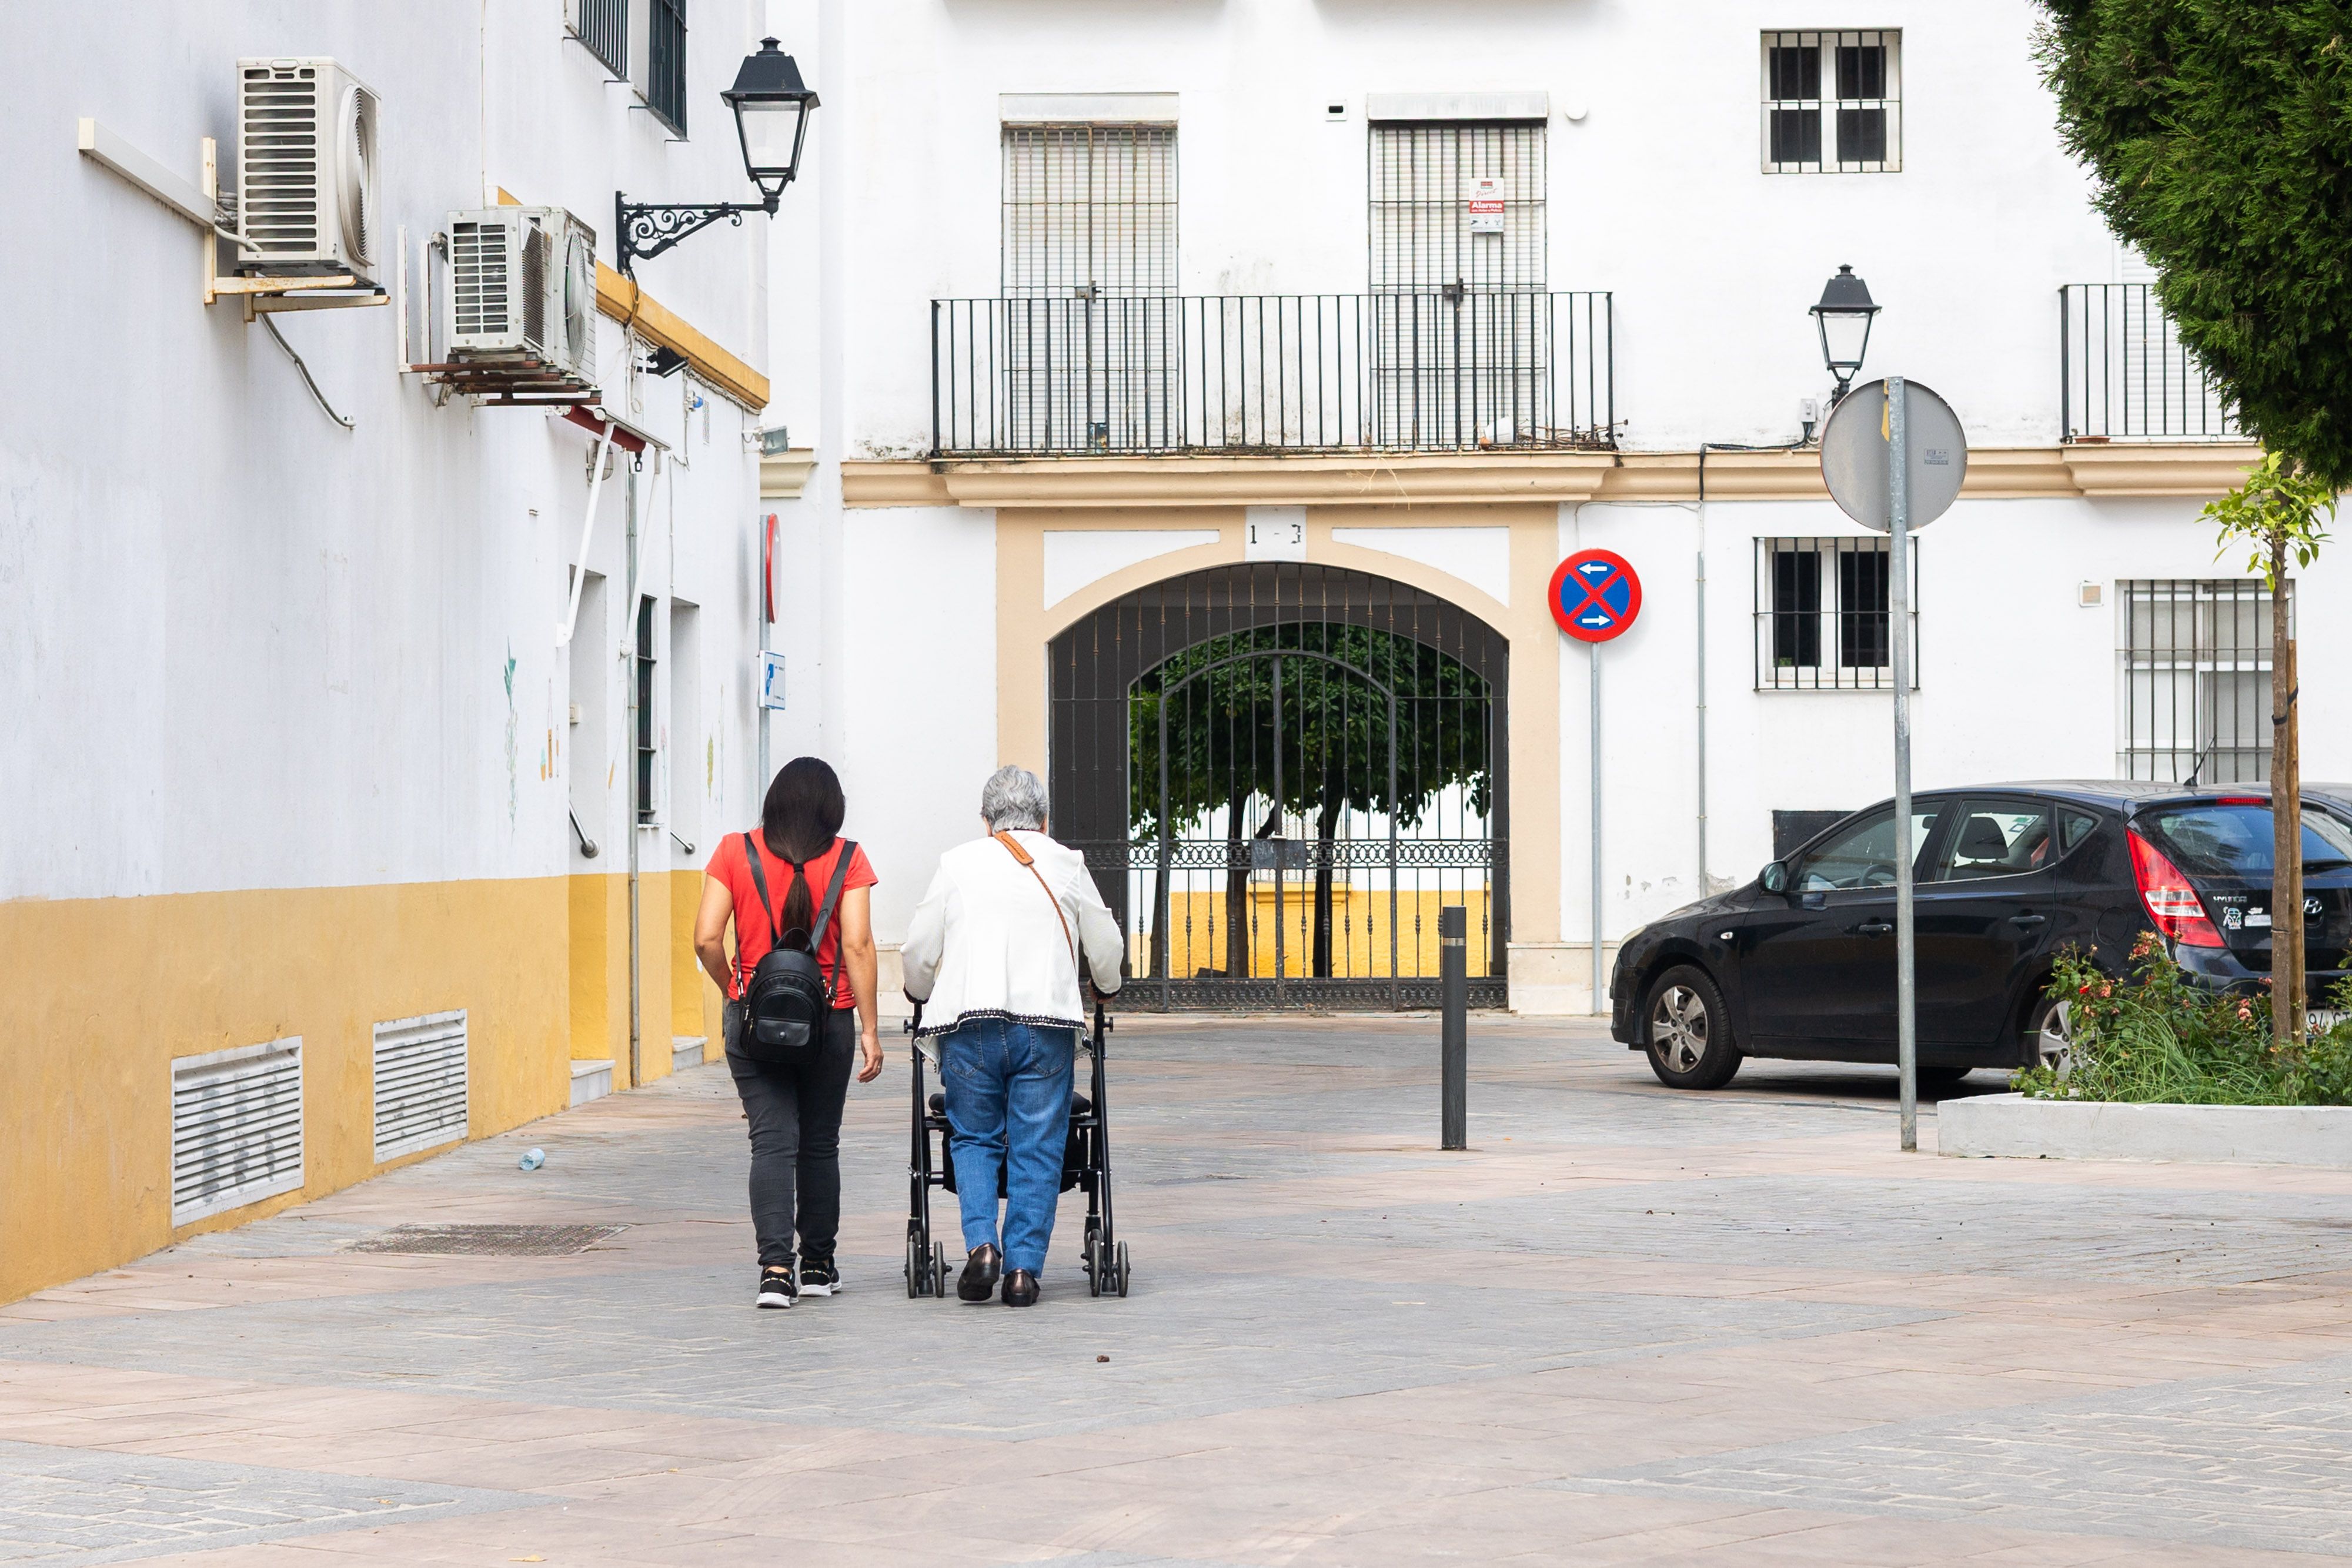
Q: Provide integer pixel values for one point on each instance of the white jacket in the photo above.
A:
(984, 943)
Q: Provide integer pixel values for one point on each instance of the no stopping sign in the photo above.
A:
(1595, 595)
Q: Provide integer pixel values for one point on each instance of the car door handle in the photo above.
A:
(2027, 920)
(1874, 928)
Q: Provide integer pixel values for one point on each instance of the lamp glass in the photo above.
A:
(1845, 338)
(772, 135)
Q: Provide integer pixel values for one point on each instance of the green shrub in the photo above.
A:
(2155, 1035)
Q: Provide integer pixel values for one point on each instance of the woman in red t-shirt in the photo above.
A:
(794, 1108)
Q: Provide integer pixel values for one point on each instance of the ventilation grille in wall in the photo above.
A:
(237, 1127)
(420, 1084)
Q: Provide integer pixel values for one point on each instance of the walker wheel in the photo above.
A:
(1094, 1266)
(1122, 1268)
(938, 1268)
(917, 1277)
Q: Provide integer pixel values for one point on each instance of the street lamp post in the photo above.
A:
(1843, 318)
(771, 107)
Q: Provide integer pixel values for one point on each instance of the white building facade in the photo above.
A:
(294, 885)
(1306, 339)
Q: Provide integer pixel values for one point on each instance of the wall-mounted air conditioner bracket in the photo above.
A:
(199, 204)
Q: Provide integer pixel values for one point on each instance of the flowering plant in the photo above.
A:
(2154, 1034)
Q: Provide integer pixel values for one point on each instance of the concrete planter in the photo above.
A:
(2013, 1127)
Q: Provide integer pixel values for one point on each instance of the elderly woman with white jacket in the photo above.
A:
(993, 952)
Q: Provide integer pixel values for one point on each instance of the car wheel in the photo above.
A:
(2049, 1036)
(1687, 1030)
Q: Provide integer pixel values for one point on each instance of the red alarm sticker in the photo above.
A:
(1595, 595)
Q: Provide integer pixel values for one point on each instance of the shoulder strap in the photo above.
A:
(832, 897)
(760, 882)
(1014, 844)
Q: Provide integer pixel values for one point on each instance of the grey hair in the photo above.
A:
(1012, 798)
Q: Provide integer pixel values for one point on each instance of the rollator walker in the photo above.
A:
(1086, 1162)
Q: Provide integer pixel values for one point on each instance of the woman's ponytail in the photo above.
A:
(799, 819)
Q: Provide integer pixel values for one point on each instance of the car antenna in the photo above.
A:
(2198, 766)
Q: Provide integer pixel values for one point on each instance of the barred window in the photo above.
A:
(665, 62)
(1833, 103)
(2194, 661)
(1426, 234)
(1823, 613)
(1089, 210)
(1458, 252)
(603, 25)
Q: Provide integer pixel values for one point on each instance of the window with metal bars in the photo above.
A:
(648, 755)
(1091, 335)
(603, 25)
(1822, 614)
(1833, 103)
(1457, 263)
(2194, 661)
(1089, 211)
(1435, 186)
(665, 62)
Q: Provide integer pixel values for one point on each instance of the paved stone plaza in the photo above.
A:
(1627, 1326)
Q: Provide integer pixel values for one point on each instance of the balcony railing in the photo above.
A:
(1444, 371)
(2126, 374)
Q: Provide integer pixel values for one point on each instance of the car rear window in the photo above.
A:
(2233, 840)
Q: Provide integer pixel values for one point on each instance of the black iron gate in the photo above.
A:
(1278, 774)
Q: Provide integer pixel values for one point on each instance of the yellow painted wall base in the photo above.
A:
(86, 1067)
(1359, 917)
(693, 1000)
(599, 910)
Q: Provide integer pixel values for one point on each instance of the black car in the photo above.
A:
(1800, 962)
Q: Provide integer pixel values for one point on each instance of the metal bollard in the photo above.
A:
(1454, 984)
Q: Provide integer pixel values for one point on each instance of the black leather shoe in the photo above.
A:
(1021, 1289)
(979, 1280)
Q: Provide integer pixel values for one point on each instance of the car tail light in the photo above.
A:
(2180, 915)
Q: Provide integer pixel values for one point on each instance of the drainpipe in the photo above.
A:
(629, 744)
(1705, 886)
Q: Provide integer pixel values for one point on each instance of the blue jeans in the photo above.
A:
(1008, 1093)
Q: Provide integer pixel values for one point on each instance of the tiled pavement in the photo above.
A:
(1625, 1327)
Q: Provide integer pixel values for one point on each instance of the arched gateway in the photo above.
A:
(1279, 772)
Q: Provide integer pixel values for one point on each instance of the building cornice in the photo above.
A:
(2190, 470)
(783, 476)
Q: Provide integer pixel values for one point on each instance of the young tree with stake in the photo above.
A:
(2276, 512)
(2220, 136)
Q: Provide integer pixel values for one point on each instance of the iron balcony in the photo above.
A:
(2124, 374)
(1439, 371)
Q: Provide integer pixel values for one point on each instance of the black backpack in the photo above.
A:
(789, 999)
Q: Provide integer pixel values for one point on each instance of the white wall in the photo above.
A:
(1656, 193)
(914, 732)
(239, 645)
(2017, 681)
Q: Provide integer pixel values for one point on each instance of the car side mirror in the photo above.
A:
(1774, 878)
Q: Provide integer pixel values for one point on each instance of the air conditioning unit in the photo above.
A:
(306, 134)
(522, 291)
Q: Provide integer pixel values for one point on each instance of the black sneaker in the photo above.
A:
(820, 1277)
(979, 1280)
(776, 1288)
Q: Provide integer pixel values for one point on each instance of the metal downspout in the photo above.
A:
(629, 683)
(1705, 886)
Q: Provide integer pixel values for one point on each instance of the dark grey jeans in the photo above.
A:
(795, 1114)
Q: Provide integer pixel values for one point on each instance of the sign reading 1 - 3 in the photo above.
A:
(1595, 595)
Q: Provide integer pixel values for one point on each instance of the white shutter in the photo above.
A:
(420, 1084)
(237, 1127)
